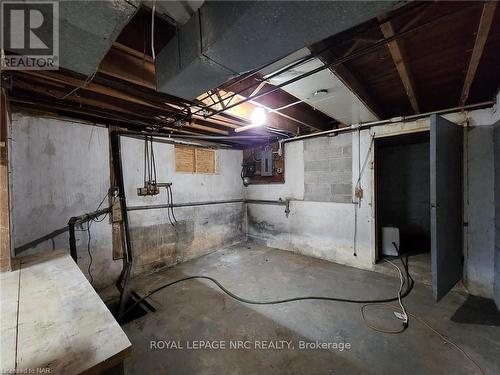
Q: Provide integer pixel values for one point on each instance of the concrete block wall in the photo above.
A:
(328, 169)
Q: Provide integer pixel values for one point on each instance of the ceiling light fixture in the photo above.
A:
(259, 117)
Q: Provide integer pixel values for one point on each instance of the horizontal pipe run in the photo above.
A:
(187, 204)
(207, 203)
(78, 220)
(263, 201)
(201, 137)
(386, 122)
(88, 216)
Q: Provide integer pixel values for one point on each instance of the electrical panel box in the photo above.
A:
(266, 162)
(263, 165)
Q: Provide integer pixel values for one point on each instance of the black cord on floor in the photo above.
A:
(409, 287)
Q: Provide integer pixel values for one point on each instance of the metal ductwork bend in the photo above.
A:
(225, 38)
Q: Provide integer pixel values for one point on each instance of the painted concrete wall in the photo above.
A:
(320, 229)
(480, 211)
(326, 230)
(61, 169)
(497, 215)
(201, 229)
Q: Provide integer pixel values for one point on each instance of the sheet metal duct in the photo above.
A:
(87, 29)
(226, 38)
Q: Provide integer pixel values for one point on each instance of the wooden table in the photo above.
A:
(54, 322)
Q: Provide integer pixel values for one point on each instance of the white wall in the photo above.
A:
(60, 169)
(201, 229)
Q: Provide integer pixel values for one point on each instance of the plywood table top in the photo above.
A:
(53, 319)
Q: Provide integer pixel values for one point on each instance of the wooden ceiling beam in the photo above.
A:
(398, 56)
(481, 37)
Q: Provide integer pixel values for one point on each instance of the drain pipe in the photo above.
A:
(381, 122)
(123, 282)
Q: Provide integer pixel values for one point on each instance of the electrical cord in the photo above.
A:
(403, 314)
(409, 287)
(424, 323)
(90, 254)
(153, 54)
(169, 191)
(89, 236)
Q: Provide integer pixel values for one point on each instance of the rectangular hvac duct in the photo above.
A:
(231, 37)
(86, 30)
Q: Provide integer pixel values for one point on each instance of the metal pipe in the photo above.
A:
(187, 204)
(78, 220)
(206, 203)
(199, 137)
(129, 258)
(383, 122)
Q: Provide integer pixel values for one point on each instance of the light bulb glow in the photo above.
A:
(259, 116)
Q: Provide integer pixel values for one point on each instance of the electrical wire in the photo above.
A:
(90, 253)
(409, 287)
(89, 236)
(82, 86)
(169, 191)
(168, 208)
(403, 310)
(424, 323)
(153, 54)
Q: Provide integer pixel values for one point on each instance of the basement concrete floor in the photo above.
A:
(198, 310)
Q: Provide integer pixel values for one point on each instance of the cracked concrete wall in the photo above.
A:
(201, 229)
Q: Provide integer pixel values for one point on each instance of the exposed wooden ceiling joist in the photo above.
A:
(402, 65)
(348, 76)
(481, 37)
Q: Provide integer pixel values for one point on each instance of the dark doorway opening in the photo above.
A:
(403, 195)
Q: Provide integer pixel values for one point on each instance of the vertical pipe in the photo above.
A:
(127, 270)
(72, 240)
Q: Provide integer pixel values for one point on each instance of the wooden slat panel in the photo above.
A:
(205, 160)
(184, 159)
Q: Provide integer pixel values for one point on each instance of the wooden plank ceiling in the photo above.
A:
(423, 70)
(444, 54)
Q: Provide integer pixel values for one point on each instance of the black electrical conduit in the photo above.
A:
(409, 282)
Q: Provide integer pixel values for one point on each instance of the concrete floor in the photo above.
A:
(198, 310)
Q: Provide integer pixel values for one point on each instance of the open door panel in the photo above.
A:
(446, 164)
